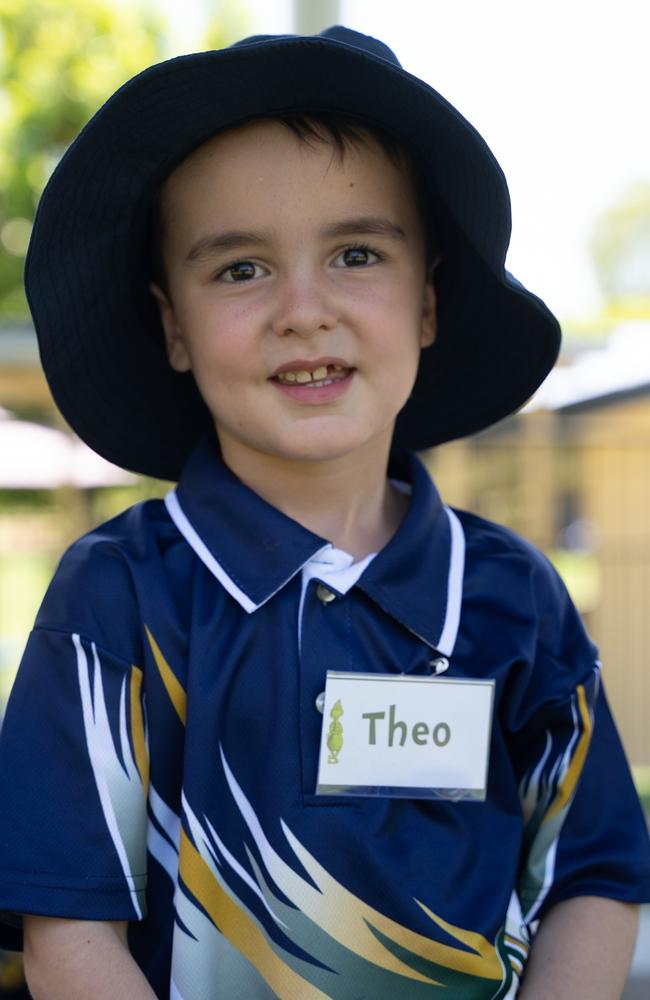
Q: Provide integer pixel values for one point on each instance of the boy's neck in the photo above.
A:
(349, 501)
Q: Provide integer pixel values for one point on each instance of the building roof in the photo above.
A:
(600, 376)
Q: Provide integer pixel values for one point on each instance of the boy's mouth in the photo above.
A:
(320, 376)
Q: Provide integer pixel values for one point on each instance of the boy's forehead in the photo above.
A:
(272, 133)
(240, 143)
(250, 148)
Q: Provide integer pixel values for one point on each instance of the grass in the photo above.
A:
(642, 782)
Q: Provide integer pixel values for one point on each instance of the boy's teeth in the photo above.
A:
(303, 376)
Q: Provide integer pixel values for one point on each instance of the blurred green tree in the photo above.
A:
(620, 248)
(59, 60)
(229, 21)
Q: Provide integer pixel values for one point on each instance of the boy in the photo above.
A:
(271, 267)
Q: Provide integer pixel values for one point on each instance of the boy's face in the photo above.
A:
(297, 292)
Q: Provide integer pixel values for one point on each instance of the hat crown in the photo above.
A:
(336, 33)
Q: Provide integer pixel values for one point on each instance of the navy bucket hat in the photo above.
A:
(89, 261)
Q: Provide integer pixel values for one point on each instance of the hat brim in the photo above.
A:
(88, 264)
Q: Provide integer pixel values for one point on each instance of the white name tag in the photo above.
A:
(407, 737)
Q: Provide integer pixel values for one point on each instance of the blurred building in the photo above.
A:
(572, 474)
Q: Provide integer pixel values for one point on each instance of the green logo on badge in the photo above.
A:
(335, 734)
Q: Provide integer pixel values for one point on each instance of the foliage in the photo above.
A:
(642, 782)
(230, 21)
(59, 60)
(621, 250)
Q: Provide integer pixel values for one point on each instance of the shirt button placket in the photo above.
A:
(323, 647)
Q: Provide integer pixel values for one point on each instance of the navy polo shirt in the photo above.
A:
(159, 754)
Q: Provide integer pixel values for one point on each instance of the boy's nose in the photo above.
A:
(303, 308)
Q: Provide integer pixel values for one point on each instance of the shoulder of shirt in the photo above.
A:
(127, 536)
(511, 554)
(97, 588)
(501, 562)
(493, 537)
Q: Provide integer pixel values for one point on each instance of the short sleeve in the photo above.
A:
(584, 830)
(604, 849)
(73, 781)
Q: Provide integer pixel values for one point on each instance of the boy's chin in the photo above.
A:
(306, 448)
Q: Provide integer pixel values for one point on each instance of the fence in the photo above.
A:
(578, 486)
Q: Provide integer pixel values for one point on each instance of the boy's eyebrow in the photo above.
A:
(371, 225)
(216, 243)
(234, 239)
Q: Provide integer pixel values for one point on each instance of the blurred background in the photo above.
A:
(560, 90)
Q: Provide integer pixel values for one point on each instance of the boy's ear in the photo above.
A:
(177, 354)
(429, 309)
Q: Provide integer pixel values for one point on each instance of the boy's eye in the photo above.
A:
(241, 270)
(356, 257)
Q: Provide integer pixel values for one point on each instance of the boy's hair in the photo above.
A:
(342, 132)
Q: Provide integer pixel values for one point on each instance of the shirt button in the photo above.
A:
(324, 595)
(438, 665)
(320, 702)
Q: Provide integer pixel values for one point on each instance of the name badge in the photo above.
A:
(405, 737)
